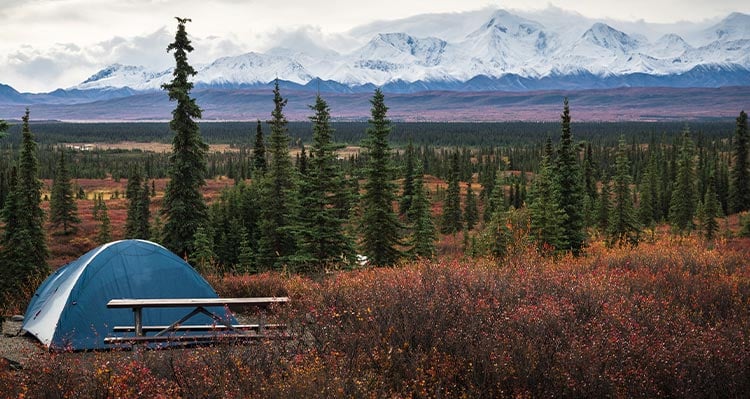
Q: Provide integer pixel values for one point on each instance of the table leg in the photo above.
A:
(138, 321)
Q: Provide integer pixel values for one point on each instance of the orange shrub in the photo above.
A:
(670, 319)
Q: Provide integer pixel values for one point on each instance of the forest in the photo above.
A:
(422, 259)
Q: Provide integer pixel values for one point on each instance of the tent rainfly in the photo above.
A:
(69, 310)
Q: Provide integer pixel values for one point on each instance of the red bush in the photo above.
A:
(666, 320)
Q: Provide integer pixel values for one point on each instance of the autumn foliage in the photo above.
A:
(670, 319)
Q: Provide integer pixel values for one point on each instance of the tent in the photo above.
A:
(69, 310)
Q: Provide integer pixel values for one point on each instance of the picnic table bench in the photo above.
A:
(222, 329)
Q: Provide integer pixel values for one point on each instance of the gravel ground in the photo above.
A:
(14, 347)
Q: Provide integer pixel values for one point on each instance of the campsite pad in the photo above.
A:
(15, 347)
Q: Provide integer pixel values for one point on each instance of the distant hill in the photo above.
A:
(250, 104)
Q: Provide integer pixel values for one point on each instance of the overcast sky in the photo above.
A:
(47, 44)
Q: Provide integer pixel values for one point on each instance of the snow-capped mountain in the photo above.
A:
(252, 68)
(669, 46)
(504, 51)
(117, 76)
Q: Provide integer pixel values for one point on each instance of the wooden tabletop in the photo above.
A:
(195, 302)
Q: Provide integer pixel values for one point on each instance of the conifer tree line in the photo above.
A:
(326, 212)
(318, 211)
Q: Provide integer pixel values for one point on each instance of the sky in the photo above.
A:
(49, 44)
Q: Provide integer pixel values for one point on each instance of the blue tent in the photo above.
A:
(69, 310)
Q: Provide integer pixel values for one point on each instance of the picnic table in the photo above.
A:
(199, 306)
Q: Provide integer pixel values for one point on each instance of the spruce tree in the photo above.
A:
(570, 188)
(684, 199)
(155, 233)
(547, 217)
(246, 259)
(471, 212)
(203, 256)
(10, 270)
(423, 235)
(711, 211)
(739, 193)
(259, 151)
(96, 209)
(623, 226)
(133, 193)
(24, 248)
(452, 221)
(589, 185)
(379, 226)
(496, 200)
(324, 237)
(407, 191)
(648, 209)
(603, 205)
(104, 235)
(184, 207)
(302, 162)
(278, 242)
(63, 209)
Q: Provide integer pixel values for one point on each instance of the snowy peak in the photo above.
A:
(506, 23)
(505, 44)
(401, 48)
(252, 68)
(669, 46)
(734, 27)
(504, 27)
(118, 75)
(607, 37)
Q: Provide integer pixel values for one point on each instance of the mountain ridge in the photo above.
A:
(505, 44)
(499, 52)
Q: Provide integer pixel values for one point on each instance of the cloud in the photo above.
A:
(33, 69)
(309, 39)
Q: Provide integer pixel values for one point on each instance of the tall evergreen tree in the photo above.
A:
(569, 185)
(324, 237)
(547, 217)
(623, 226)
(24, 247)
(683, 202)
(423, 235)
(648, 209)
(603, 205)
(379, 226)
(496, 199)
(452, 221)
(407, 191)
(589, 185)
(278, 242)
(471, 212)
(133, 193)
(63, 209)
(184, 207)
(10, 272)
(739, 193)
(259, 151)
(711, 211)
